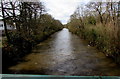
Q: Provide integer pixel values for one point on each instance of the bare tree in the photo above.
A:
(4, 19)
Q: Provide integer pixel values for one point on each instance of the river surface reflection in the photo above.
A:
(64, 53)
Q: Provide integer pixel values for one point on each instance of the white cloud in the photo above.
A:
(61, 9)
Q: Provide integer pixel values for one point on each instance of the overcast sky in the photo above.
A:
(62, 9)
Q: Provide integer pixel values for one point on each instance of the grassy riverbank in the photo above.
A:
(103, 37)
(99, 26)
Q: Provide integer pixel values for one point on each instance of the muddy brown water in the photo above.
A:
(66, 54)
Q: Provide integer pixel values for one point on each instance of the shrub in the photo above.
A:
(91, 20)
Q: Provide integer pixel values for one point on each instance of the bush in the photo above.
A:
(16, 49)
(91, 20)
(103, 37)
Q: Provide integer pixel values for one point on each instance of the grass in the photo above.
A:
(103, 37)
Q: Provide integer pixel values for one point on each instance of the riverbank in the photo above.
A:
(20, 47)
(102, 37)
(64, 53)
(100, 27)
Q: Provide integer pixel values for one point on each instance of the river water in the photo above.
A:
(64, 53)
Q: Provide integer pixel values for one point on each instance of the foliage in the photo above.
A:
(33, 25)
(99, 26)
(91, 20)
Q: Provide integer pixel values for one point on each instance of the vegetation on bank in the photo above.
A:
(98, 23)
(32, 24)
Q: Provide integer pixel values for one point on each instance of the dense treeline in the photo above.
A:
(32, 25)
(98, 22)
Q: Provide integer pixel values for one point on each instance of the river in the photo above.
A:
(64, 53)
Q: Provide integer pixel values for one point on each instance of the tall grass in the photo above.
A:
(104, 37)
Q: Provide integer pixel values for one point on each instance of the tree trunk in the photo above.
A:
(5, 25)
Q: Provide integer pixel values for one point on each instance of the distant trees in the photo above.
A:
(49, 23)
